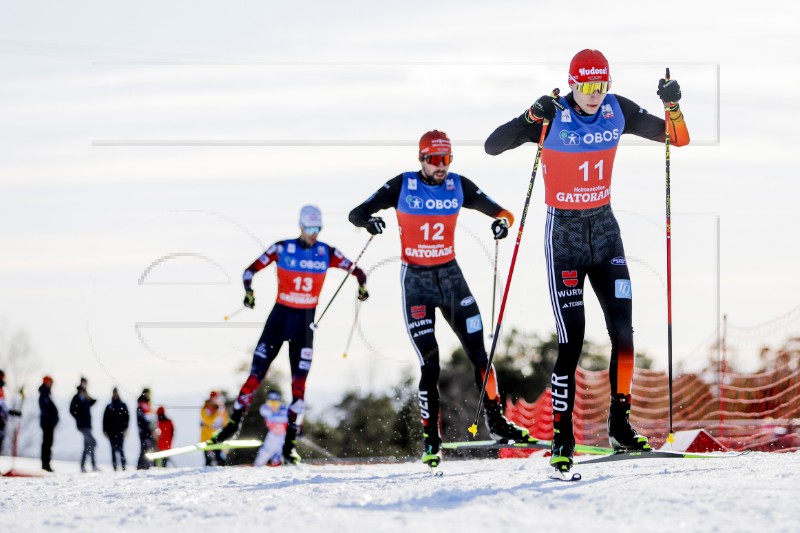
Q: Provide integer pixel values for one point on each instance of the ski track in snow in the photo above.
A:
(755, 492)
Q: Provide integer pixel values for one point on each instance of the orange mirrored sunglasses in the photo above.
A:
(438, 159)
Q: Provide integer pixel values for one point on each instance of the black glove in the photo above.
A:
(668, 91)
(375, 225)
(500, 228)
(363, 294)
(544, 108)
(249, 299)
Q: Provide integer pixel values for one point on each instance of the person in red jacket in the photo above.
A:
(165, 431)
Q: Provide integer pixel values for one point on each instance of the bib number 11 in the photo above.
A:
(585, 168)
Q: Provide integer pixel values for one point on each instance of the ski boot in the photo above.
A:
(501, 429)
(432, 456)
(230, 429)
(290, 455)
(621, 435)
(562, 447)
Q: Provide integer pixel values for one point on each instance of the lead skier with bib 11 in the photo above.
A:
(302, 264)
(427, 203)
(582, 237)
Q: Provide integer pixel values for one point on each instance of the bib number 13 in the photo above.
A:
(303, 283)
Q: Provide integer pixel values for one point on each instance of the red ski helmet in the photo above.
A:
(434, 142)
(587, 66)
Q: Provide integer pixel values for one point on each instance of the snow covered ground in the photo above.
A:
(755, 492)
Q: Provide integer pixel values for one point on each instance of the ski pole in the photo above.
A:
(671, 437)
(352, 330)
(315, 325)
(494, 286)
(474, 427)
(228, 317)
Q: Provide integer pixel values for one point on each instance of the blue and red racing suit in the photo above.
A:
(582, 236)
(301, 272)
(430, 276)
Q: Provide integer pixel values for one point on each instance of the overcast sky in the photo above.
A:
(150, 151)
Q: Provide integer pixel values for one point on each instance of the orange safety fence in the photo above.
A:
(758, 411)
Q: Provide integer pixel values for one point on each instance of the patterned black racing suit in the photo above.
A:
(430, 280)
(582, 237)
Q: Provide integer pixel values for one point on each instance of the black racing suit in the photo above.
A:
(289, 323)
(581, 243)
(442, 286)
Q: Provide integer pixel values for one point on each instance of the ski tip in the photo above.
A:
(473, 429)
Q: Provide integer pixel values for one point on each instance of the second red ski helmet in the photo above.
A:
(588, 65)
(434, 142)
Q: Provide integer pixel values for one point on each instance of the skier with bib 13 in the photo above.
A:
(302, 264)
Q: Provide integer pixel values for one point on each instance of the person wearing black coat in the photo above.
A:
(115, 427)
(80, 409)
(5, 412)
(48, 419)
(144, 420)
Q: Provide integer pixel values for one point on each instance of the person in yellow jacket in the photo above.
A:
(213, 417)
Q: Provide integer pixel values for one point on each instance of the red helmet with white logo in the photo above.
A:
(587, 66)
(434, 142)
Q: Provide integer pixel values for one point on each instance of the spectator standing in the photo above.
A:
(5, 412)
(144, 420)
(116, 419)
(81, 410)
(48, 419)
(165, 430)
(213, 417)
